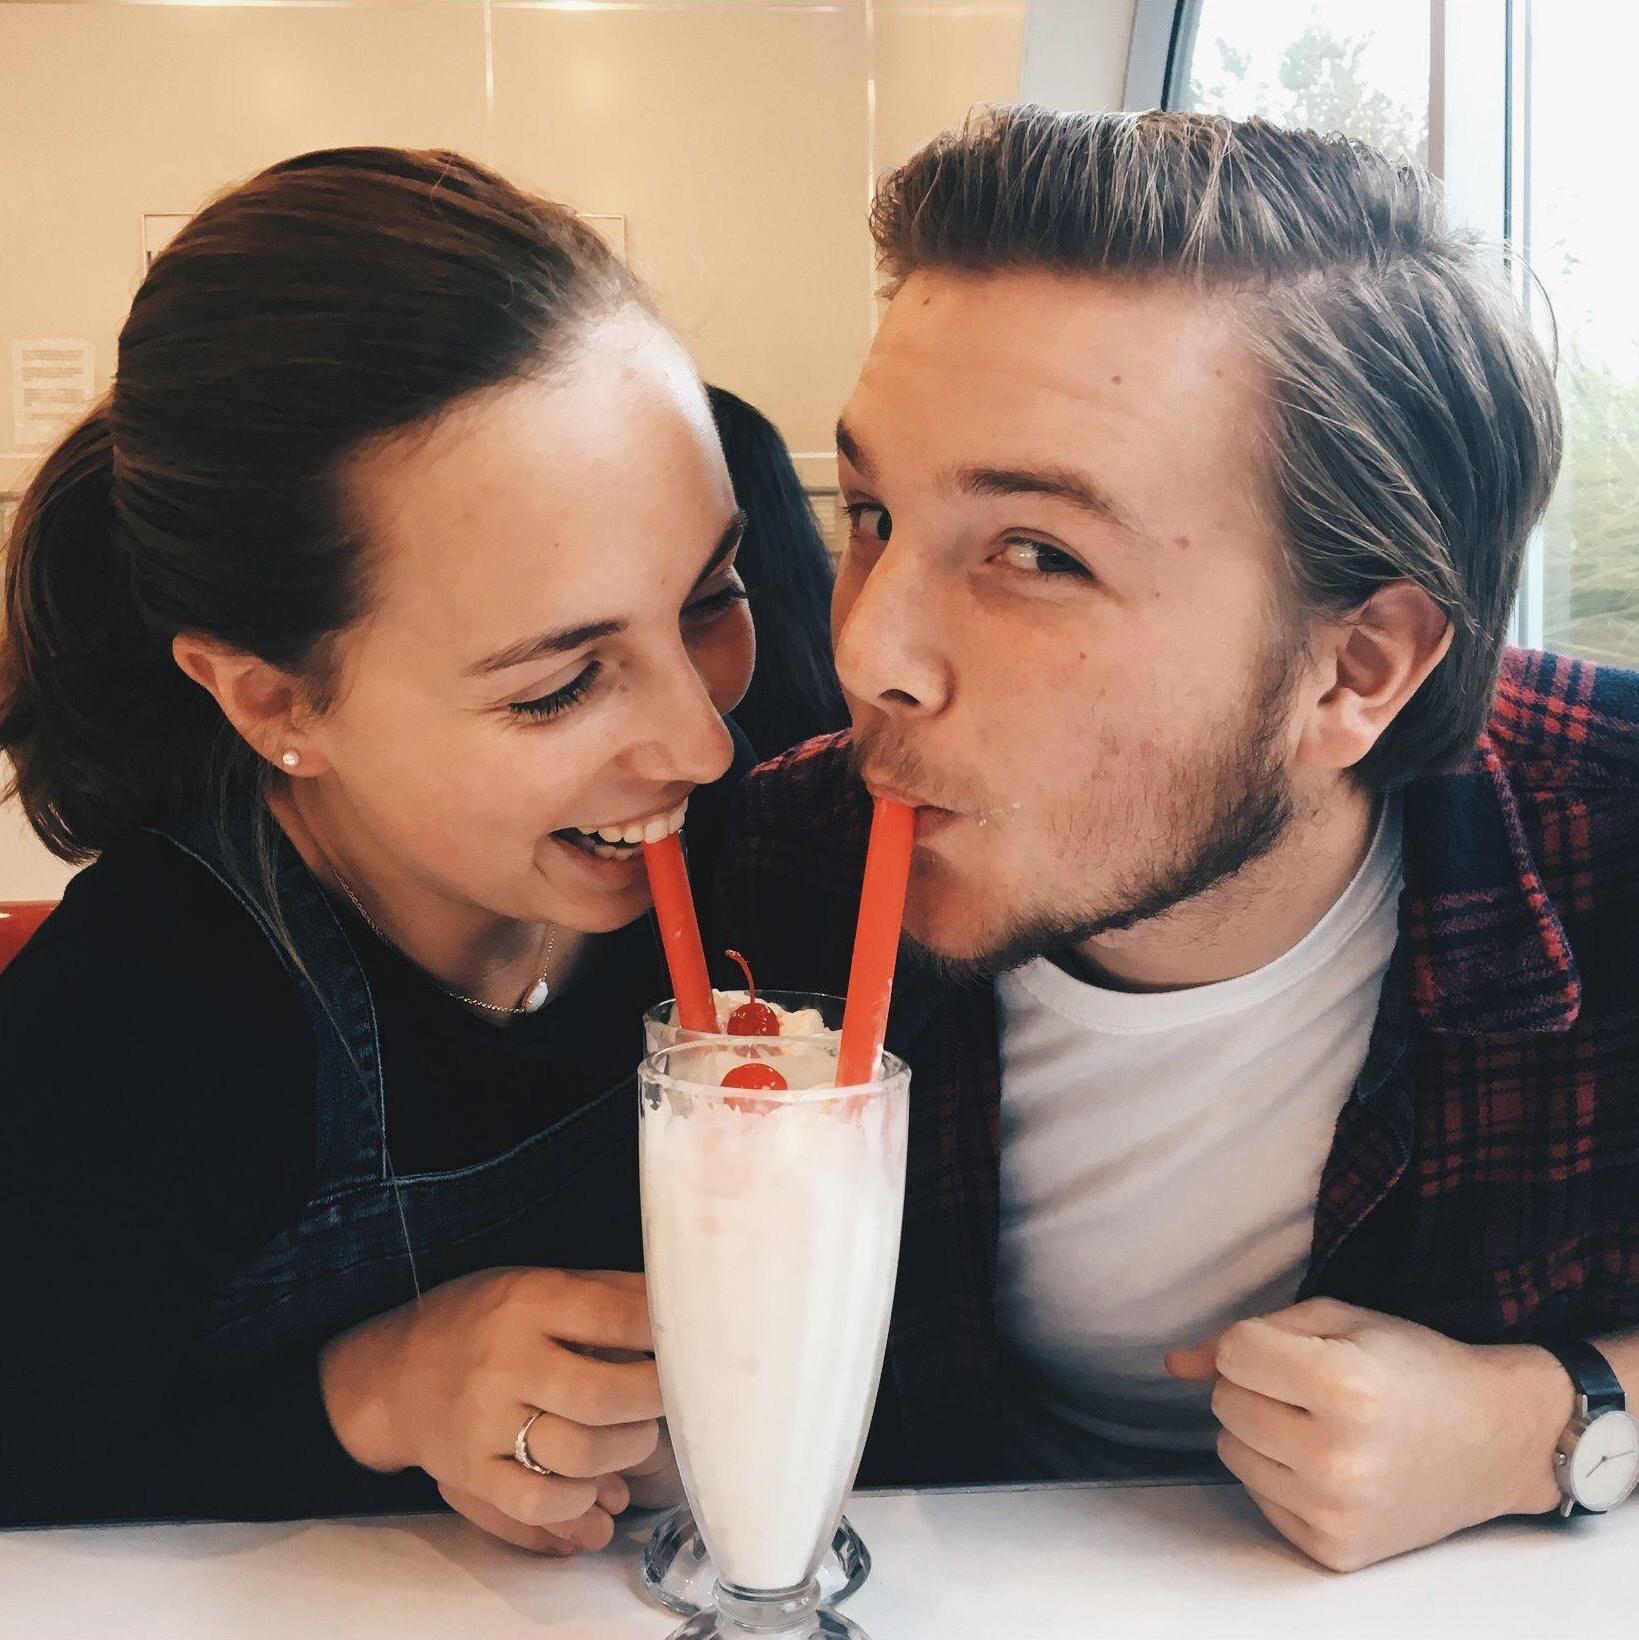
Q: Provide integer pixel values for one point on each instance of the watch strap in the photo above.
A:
(1590, 1372)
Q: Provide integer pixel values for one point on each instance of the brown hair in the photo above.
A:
(1414, 430)
(328, 301)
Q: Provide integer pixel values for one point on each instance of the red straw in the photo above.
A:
(876, 941)
(680, 933)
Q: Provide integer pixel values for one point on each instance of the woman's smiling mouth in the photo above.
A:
(622, 840)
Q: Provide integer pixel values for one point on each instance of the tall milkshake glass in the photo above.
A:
(676, 1568)
(771, 1239)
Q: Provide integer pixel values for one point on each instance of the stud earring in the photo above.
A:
(290, 759)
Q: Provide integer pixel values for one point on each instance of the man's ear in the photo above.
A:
(261, 701)
(1375, 660)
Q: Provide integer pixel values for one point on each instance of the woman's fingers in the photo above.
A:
(614, 1495)
(605, 1309)
(487, 1518)
(594, 1530)
(591, 1392)
(533, 1500)
(655, 1483)
(583, 1450)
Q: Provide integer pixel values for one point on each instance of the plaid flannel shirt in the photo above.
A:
(1484, 1174)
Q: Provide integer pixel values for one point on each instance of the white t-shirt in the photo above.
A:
(1161, 1157)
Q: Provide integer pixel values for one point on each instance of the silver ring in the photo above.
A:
(520, 1447)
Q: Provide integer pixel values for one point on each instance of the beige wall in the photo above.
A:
(737, 137)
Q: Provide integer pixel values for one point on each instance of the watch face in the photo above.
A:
(1605, 1465)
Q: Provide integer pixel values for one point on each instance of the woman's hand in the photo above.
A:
(656, 1483)
(447, 1382)
(594, 1530)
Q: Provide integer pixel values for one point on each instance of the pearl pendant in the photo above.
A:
(538, 993)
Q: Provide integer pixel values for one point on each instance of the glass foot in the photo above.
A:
(824, 1624)
(677, 1571)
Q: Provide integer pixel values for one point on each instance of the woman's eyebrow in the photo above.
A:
(569, 638)
(560, 642)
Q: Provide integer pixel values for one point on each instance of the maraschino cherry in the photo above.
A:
(756, 1076)
(751, 1018)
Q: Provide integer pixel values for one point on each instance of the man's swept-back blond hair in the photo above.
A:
(1413, 428)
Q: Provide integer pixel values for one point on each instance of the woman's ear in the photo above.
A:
(261, 701)
(1378, 659)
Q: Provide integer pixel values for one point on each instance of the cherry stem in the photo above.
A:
(745, 968)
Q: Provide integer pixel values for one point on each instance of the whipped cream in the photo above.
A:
(771, 1239)
(793, 1022)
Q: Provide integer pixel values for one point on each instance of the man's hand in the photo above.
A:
(1361, 1436)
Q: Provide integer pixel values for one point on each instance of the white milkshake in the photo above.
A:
(771, 1235)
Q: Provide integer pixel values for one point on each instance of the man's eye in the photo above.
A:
(869, 521)
(1037, 558)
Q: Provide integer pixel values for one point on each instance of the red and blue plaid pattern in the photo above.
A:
(1484, 1177)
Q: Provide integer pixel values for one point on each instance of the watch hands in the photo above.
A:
(1625, 1452)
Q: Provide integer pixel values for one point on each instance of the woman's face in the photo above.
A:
(556, 629)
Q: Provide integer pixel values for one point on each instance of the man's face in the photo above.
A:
(1056, 618)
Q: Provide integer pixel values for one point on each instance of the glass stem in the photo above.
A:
(786, 1613)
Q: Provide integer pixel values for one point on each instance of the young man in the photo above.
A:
(1277, 1065)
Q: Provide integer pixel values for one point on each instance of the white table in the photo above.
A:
(1095, 1563)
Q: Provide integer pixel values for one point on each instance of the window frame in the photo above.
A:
(1479, 114)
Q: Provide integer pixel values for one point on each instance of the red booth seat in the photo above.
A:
(18, 920)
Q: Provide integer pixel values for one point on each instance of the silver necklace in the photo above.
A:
(534, 999)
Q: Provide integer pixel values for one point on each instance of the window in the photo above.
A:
(1334, 65)
(1521, 107)
(1579, 236)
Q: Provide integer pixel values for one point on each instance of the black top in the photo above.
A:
(157, 1126)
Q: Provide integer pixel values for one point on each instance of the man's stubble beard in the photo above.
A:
(1245, 797)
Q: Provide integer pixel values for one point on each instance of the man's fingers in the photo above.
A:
(608, 1308)
(1291, 1526)
(1269, 1353)
(1198, 1364)
(1318, 1318)
(1261, 1476)
(1278, 1430)
(1273, 1360)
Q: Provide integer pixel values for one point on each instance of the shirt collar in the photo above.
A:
(1489, 955)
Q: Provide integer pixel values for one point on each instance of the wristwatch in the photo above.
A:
(1597, 1459)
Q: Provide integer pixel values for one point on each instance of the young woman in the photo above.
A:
(361, 634)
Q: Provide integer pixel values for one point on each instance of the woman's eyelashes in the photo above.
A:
(544, 708)
(549, 706)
